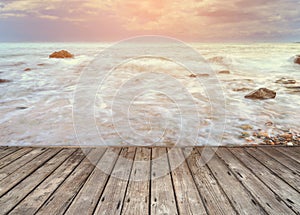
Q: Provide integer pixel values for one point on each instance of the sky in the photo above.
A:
(113, 20)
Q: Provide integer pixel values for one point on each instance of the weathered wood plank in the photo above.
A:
(292, 152)
(18, 163)
(278, 186)
(10, 181)
(283, 159)
(238, 180)
(187, 195)
(111, 201)
(14, 156)
(137, 196)
(264, 196)
(240, 198)
(162, 195)
(214, 198)
(62, 197)
(276, 167)
(15, 195)
(41, 193)
(87, 198)
(4, 151)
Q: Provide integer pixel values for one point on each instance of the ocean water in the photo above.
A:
(150, 100)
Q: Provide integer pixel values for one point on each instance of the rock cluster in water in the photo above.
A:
(262, 93)
(61, 54)
(260, 136)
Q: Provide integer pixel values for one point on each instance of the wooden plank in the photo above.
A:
(188, 198)
(41, 193)
(215, 200)
(7, 150)
(240, 198)
(162, 195)
(264, 196)
(137, 196)
(276, 167)
(15, 195)
(292, 152)
(87, 199)
(9, 182)
(112, 199)
(278, 186)
(283, 159)
(14, 165)
(14, 156)
(62, 197)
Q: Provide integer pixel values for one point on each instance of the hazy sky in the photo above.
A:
(112, 20)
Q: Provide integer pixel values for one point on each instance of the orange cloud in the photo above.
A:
(189, 19)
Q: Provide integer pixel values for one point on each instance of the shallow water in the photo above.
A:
(146, 101)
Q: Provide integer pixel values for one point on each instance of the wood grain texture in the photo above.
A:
(62, 197)
(112, 199)
(10, 181)
(214, 198)
(240, 198)
(263, 195)
(87, 199)
(291, 177)
(278, 186)
(41, 193)
(137, 196)
(188, 198)
(163, 200)
(149, 180)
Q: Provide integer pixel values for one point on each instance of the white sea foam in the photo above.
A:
(36, 107)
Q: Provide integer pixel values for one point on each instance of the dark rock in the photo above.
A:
(61, 54)
(241, 89)
(224, 72)
(21, 108)
(198, 75)
(297, 59)
(285, 81)
(4, 81)
(262, 93)
(293, 87)
(27, 70)
(203, 75)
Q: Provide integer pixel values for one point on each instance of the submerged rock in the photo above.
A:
(297, 59)
(4, 81)
(285, 81)
(203, 75)
(61, 54)
(224, 72)
(293, 87)
(21, 108)
(241, 89)
(262, 93)
(198, 75)
(246, 127)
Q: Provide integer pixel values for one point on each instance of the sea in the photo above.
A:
(155, 95)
